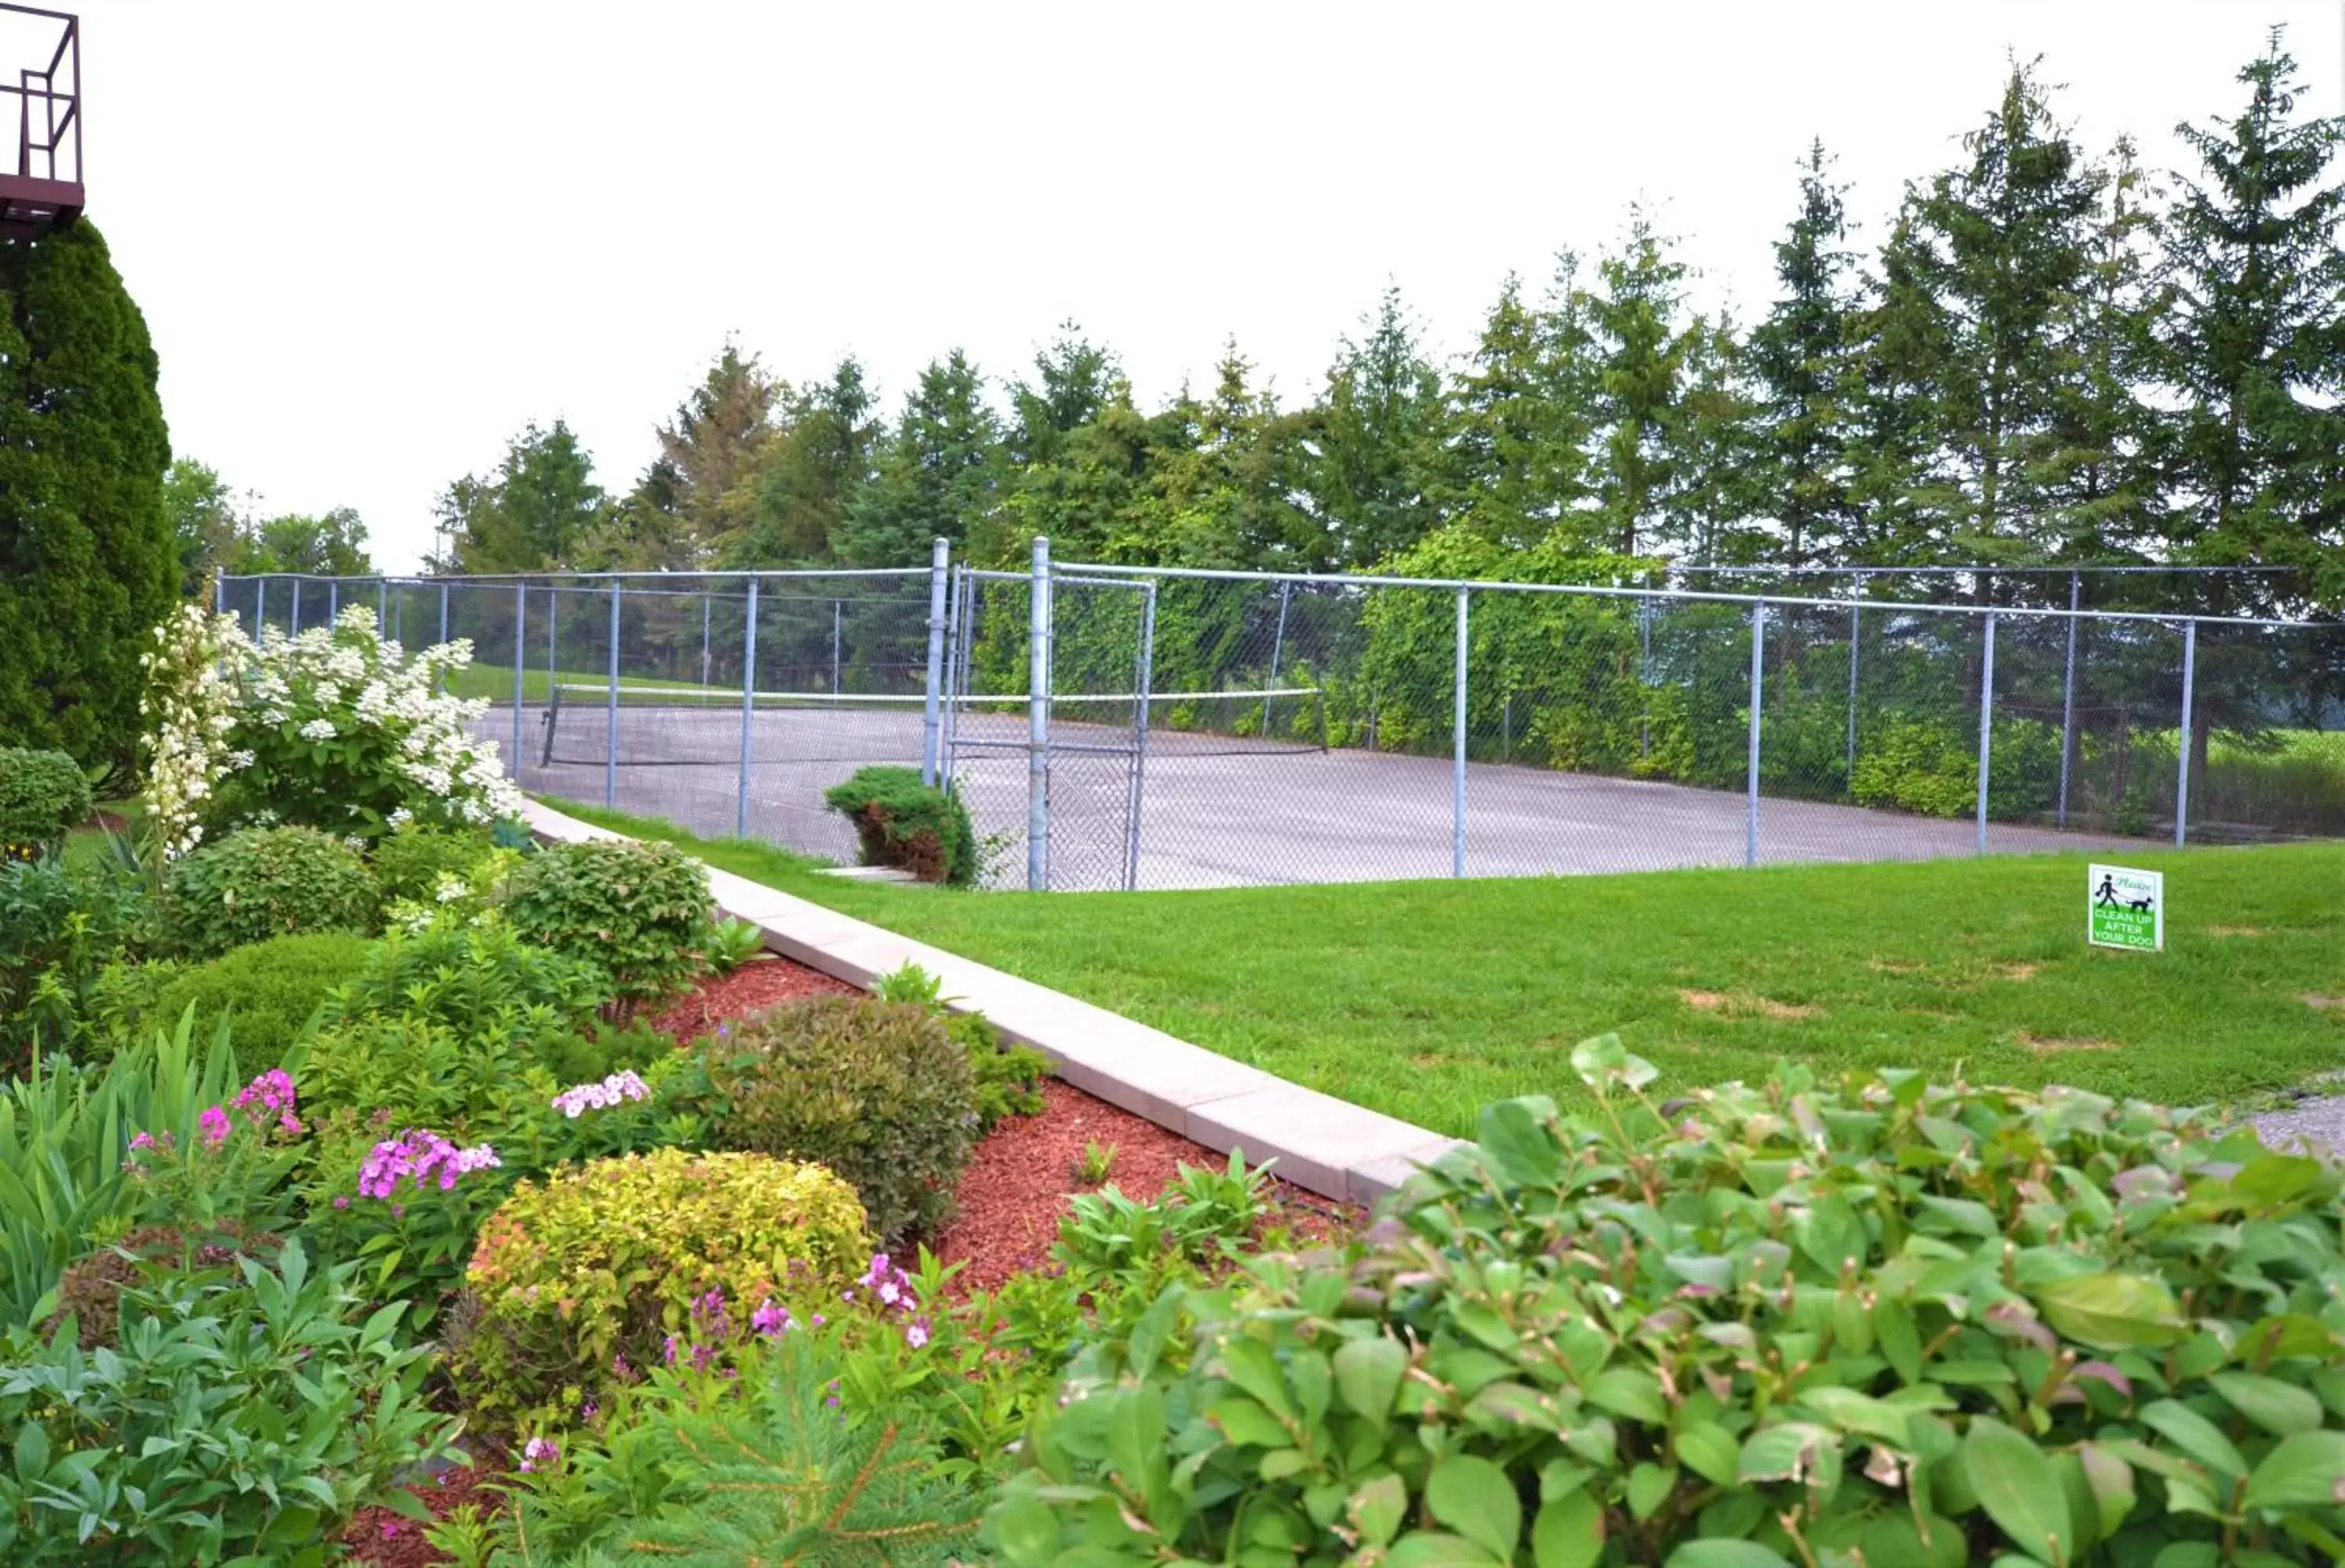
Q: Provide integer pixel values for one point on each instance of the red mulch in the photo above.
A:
(1009, 1203)
(404, 1546)
(760, 982)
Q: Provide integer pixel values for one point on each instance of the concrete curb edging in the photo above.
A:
(1333, 1147)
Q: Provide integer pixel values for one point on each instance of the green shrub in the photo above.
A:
(60, 926)
(270, 989)
(1009, 1076)
(409, 862)
(402, 1071)
(267, 882)
(876, 1091)
(480, 982)
(603, 1262)
(42, 797)
(900, 821)
(639, 910)
(242, 1415)
(1881, 1321)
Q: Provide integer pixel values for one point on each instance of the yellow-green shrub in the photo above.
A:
(592, 1269)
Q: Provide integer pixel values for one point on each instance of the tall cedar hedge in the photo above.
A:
(87, 561)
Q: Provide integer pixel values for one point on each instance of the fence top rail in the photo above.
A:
(1685, 595)
(456, 579)
(1979, 571)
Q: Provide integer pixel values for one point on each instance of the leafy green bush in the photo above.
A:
(1202, 1218)
(42, 797)
(595, 1266)
(482, 983)
(409, 862)
(876, 1091)
(1793, 1323)
(1009, 1076)
(60, 926)
(241, 1415)
(639, 910)
(270, 989)
(903, 822)
(267, 882)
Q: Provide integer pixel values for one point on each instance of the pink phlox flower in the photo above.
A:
(668, 1351)
(143, 1141)
(619, 1086)
(272, 1091)
(540, 1453)
(417, 1156)
(216, 1126)
(917, 1334)
(770, 1318)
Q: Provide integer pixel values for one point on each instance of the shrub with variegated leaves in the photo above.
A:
(1874, 1324)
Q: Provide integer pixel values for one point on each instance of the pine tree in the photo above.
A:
(89, 563)
(2251, 349)
(939, 474)
(1716, 445)
(1510, 458)
(1642, 349)
(1999, 250)
(1800, 357)
(1368, 485)
(714, 440)
(1074, 380)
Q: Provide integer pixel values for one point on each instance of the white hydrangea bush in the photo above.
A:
(338, 729)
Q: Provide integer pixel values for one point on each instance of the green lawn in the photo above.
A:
(495, 682)
(1428, 999)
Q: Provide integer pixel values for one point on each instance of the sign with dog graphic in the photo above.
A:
(2126, 909)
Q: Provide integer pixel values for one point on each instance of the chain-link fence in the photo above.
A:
(1205, 729)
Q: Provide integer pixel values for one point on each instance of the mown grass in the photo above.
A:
(495, 682)
(1427, 999)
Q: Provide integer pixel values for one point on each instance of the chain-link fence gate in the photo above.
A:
(1185, 729)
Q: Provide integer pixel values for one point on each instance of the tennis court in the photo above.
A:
(1207, 815)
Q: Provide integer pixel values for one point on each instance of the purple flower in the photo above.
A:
(143, 1141)
(540, 1453)
(917, 1335)
(216, 1126)
(770, 1319)
(341, 1200)
(418, 1156)
(668, 1351)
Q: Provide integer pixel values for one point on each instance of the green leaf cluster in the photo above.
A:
(1874, 1322)
(42, 795)
(900, 821)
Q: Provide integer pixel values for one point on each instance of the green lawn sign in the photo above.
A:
(2126, 909)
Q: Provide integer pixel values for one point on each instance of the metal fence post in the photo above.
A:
(932, 689)
(1038, 719)
(703, 635)
(2069, 699)
(835, 618)
(443, 612)
(748, 712)
(296, 607)
(1644, 679)
(1458, 748)
(381, 613)
(1137, 797)
(611, 712)
(521, 664)
(1986, 727)
(2182, 778)
(219, 590)
(1277, 648)
(1750, 764)
(1855, 652)
(260, 606)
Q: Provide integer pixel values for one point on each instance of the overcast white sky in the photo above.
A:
(371, 240)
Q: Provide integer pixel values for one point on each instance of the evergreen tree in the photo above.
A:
(939, 474)
(1642, 349)
(809, 473)
(1220, 494)
(1074, 380)
(1368, 485)
(1890, 388)
(714, 440)
(1800, 356)
(88, 562)
(1716, 452)
(1999, 250)
(2251, 349)
(1512, 458)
